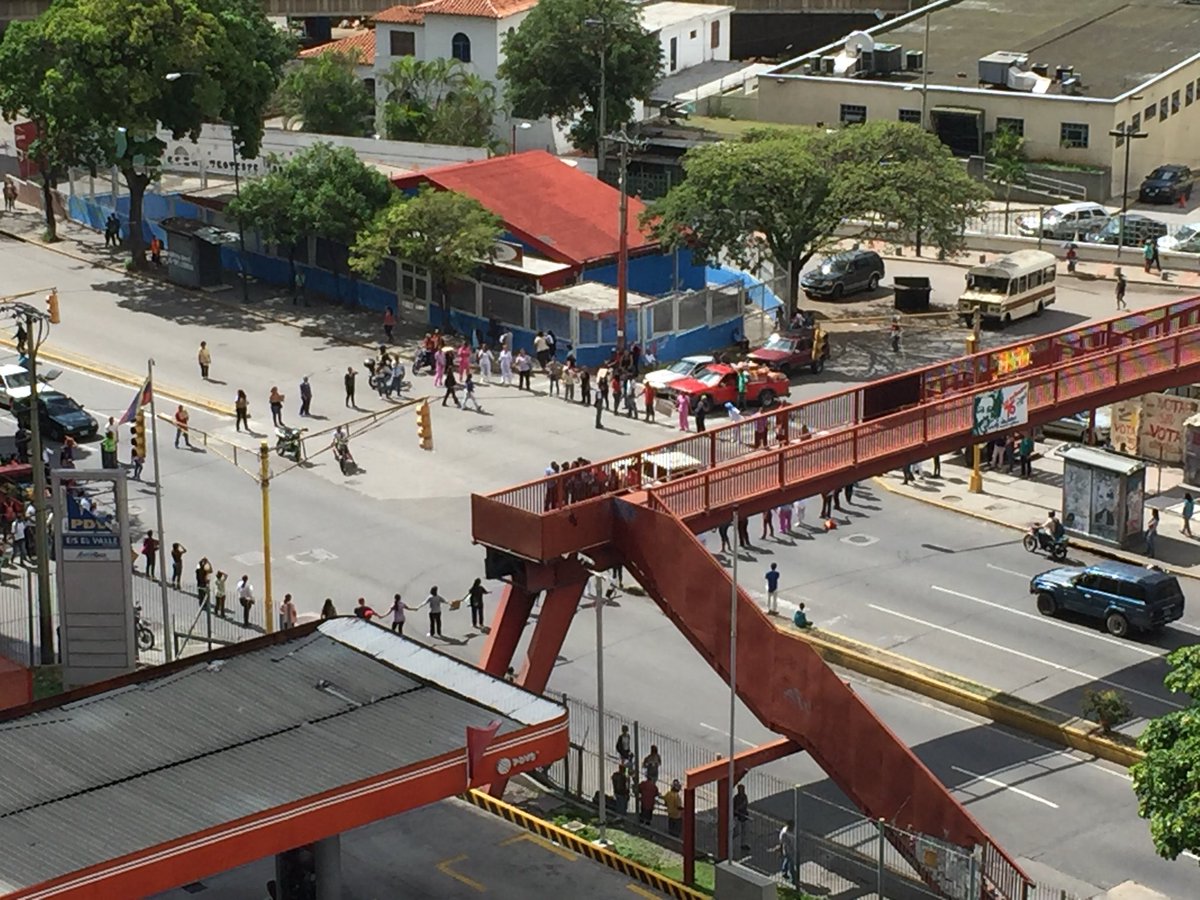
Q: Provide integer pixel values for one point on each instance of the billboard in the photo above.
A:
(1000, 409)
(94, 575)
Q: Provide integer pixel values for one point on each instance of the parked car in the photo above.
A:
(844, 273)
(792, 350)
(1138, 229)
(716, 385)
(61, 417)
(684, 368)
(1125, 598)
(1185, 239)
(1064, 221)
(14, 384)
(1167, 184)
(1074, 428)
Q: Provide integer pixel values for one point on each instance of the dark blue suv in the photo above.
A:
(1122, 596)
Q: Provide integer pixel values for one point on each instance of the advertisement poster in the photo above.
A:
(1106, 500)
(1160, 426)
(1077, 498)
(1001, 409)
(1123, 433)
(1133, 507)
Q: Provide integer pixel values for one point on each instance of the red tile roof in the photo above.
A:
(360, 46)
(482, 9)
(400, 15)
(567, 215)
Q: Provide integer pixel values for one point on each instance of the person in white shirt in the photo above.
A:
(434, 601)
(18, 536)
(245, 595)
(485, 362)
(506, 361)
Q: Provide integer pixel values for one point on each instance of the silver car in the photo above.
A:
(1065, 221)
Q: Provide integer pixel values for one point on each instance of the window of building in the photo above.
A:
(1162, 108)
(1073, 134)
(912, 116)
(404, 43)
(1016, 126)
(1189, 94)
(716, 40)
(1174, 102)
(1135, 121)
(691, 35)
(460, 47)
(673, 54)
(852, 114)
(1150, 111)
(1120, 139)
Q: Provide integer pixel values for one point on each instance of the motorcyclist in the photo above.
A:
(341, 443)
(1052, 530)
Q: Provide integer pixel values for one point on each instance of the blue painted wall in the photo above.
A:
(652, 275)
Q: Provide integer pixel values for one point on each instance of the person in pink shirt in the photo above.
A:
(464, 360)
(439, 368)
(681, 404)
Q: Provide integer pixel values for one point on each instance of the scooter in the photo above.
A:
(1038, 539)
(341, 452)
(145, 637)
(288, 442)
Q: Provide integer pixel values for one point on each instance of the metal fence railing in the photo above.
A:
(838, 849)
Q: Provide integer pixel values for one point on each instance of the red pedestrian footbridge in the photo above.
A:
(643, 510)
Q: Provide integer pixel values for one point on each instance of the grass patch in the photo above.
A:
(47, 681)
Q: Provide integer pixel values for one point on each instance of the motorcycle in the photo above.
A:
(1037, 538)
(424, 360)
(289, 443)
(341, 452)
(381, 377)
(145, 637)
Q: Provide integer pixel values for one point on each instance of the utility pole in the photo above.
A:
(1128, 134)
(264, 479)
(168, 628)
(42, 539)
(623, 236)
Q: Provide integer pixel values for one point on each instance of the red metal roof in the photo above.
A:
(361, 46)
(567, 215)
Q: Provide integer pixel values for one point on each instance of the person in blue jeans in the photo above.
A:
(773, 590)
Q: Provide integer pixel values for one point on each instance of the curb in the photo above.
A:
(1002, 708)
(1098, 549)
(121, 270)
(126, 378)
(564, 838)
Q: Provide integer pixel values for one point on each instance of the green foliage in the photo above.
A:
(783, 196)
(445, 232)
(1007, 155)
(327, 96)
(1167, 783)
(438, 101)
(1108, 707)
(552, 64)
(100, 75)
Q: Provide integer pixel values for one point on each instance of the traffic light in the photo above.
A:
(52, 306)
(424, 426)
(139, 434)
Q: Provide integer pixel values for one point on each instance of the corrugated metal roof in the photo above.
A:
(166, 757)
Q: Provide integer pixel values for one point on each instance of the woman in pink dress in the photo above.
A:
(439, 368)
(682, 404)
(464, 361)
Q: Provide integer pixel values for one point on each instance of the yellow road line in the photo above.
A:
(543, 843)
(444, 868)
(642, 892)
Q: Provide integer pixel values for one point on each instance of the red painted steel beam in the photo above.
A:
(557, 611)
(743, 762)
(508, 624)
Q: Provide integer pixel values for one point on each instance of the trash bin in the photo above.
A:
(912, 293)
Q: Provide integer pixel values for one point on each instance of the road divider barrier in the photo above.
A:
(1032, 718)
(551, 832)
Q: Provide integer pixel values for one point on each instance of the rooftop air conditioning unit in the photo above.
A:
(993, 68)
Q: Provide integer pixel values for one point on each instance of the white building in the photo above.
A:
(690, 33)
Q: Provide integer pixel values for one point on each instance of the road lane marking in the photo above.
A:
(1009, 571)
(444, 868)
(1045, 620)
(1037, 659)
(996, 782)
(724, 733)
(1187, 626)
(539, 841)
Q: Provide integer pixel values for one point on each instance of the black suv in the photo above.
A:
(1167, 184)
(845, 273)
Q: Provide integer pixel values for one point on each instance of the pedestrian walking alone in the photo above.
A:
(276, 401)
(474, 598)
(348, 381)
(772, 581)
(241, 409)
(1189, 507)
(1121, 286)
(181, 427)
(305, 396)
(389, 323)
(177, 552)
(451, 385)
(150, 553)
(204, 358)
(434, 601)
(681, 406)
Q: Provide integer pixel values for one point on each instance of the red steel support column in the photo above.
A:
(500, 646)
(558, 609)
(689, 836)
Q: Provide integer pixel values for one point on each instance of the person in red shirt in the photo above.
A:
(647, 795)
(648, 400)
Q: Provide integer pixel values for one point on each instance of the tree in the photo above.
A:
(327, 96)
(444, 232)
(1007, 156)
(438, 101)
(552, 64)
(111, 59)
(783, 196)
(1166, 782)
(271, 206)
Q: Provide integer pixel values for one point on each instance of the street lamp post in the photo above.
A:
(524, 126)
(1128, 134)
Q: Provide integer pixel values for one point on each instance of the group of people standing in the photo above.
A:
(396, 614)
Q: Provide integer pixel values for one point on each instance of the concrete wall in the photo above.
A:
(694, 41)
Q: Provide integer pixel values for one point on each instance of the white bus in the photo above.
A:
(1015, 285)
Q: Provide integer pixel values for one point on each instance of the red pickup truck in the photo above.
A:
(789, 351)
(716, 384)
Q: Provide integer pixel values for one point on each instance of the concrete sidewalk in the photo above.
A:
(1016, 502)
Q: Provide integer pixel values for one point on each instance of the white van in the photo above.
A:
(1185, 239)
(1015, 285)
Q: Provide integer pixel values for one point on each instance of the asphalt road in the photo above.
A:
(403, 525)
